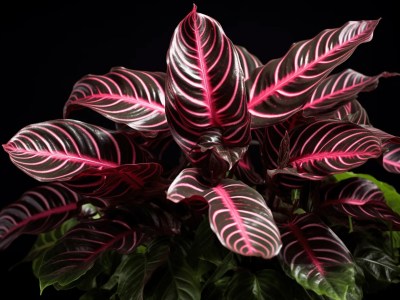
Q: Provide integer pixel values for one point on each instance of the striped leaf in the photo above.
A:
(134, 98)
(317, 259)
(248, 61)
(38, 210)
(326, 147)
(61, 149)
(338, 89)
(238, 214)
(361, 199)
(352, 112)
(126, 181)
(280, 88)
(75, 253)
(206, 98)
(391, 155)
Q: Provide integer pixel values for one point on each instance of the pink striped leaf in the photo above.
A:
(326, 147)
(206, 98)
(280, 88)
(238, 214)
(361, 199)
(119, 230)
(61, 149)
(122, 182)
(338, 89)
(75, 253)
(38, 210)
(248, 61)
(352, 112)
(391, 155)
(246, 171)
(134, 98)
(317, 259)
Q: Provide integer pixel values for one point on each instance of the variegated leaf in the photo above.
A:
(122, 182)
(280, 88)
(326, 147)
(206, 97)
(361, 199)
(352, 112)
(61, 149)
(338, 89)
(134, 98)
(38, 210)
(317, 259)
(238, 214)
(248, 61)
(75, 253)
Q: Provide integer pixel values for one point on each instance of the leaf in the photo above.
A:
(338, 89)
(391, 156)
(317, 259)
(115, 183)
(205, 90)
(261, 285)
(352, 112)
(134, 271)
(177, 281)
(326, 147)
(280, 88)
(134, 98)
(374, 258)
(392, 197)
(38, 210)
(61, 149)
(359, 198)
(77, 251)
(248, 61)
(238, 214)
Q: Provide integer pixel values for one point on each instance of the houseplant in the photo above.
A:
(112, 191)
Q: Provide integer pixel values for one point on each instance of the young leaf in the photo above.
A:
(38, 210)
(205, 87)
(317, 259)
(134, 98)
(280, 88)
(60, 149)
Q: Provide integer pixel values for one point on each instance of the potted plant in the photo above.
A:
(223, 178)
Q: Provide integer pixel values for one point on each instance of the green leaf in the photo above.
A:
(46, 241)
(178, 280)
(392, 197)
(135, 269)
(338, 283)
(373, 257)
(261, 285)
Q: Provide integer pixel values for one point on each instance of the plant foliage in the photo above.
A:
(224, 177)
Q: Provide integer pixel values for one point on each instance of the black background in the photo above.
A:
(47, 46)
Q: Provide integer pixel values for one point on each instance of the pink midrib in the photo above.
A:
(154, 106)
(226, 200)
(59, 156)
(323, 155)
(204, 71)
(310, 253)
(273, 88)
